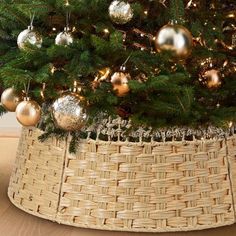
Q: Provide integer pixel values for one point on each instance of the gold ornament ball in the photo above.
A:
(120, 12)
(29, 36)
(68, 112)
(64, 39)
(120, 84)
(211, 78)
(10, 99)
(174, 38)
(28, 113)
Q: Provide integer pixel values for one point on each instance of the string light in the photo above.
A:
(53, 69)
(190, 4)
(67, 3)
(42, 91)
(106, 31)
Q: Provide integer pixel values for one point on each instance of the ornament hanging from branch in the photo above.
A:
(211, 78)
(29, 36)
(120, 82)
(10, 99)
(68, 112)
(28, 113)
(65, 38)
(176, 39)
(211, 74)
(120, 12)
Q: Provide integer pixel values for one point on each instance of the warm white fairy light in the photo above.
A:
(53, 69)
(106, 31)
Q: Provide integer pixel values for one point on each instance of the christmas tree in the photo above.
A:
(158, 63)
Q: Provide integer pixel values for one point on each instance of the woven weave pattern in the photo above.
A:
(149, 187)
(35, 184)
(232, 159)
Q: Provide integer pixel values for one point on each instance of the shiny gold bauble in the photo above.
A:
(68, 112)
(120, 12)
(29, 36)
(64, 39)
(28, 113)
(10, 99)
(176, 39)
(120, 84)
(211, 78)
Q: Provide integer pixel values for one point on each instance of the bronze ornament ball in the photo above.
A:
(212, 78)
(28, 113)
(10, 98)
(174, 38)
(120, 12)
(120, 82)
(68, 112)
(29, 36)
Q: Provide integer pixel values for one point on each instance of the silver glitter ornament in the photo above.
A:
(120, 12)
(68, 113)
(29, 36)
(64, 38)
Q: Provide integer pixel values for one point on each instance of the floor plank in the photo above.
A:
(14, 222)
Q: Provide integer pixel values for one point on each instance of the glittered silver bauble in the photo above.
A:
(28, 113)
(120, 12)
(10, 99)
(174, 38)
(68, 112)
(120, 81)
(64, 38)
(29, 36)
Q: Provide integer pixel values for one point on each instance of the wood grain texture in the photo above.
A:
(14, 222)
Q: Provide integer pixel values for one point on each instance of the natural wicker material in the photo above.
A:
(124, 186)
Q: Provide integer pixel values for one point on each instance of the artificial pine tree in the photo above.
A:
(114, 52)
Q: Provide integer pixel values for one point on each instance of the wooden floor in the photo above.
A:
(14, 222)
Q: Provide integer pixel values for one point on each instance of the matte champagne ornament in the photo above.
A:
(174, 38)
(28, 113)
(10, 98)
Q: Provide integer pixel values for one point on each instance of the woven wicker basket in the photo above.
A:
(124, 186)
